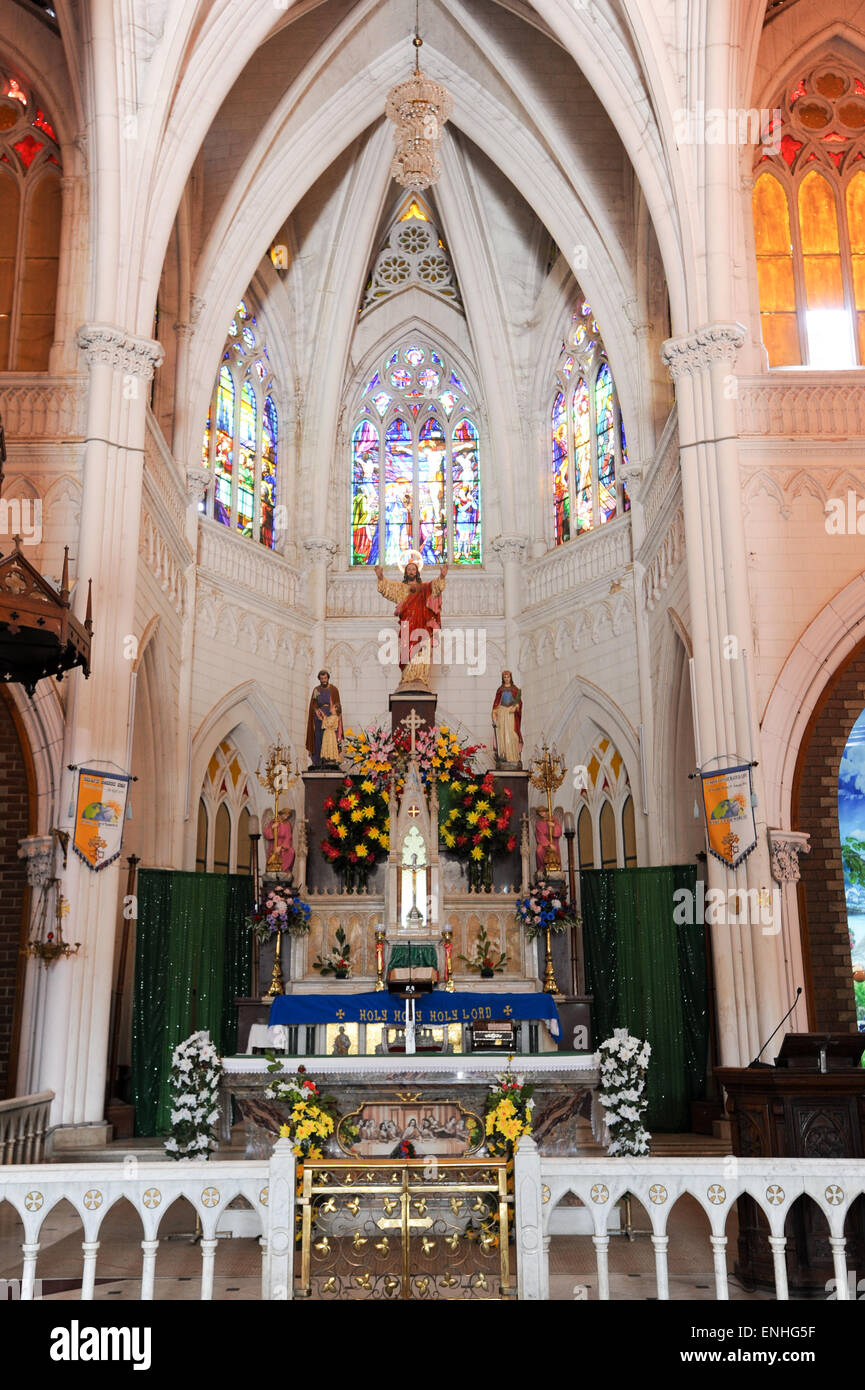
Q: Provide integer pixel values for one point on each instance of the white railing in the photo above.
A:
(93, 1189)
(23, 1122)
(715, 1183)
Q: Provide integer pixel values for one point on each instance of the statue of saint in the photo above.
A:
(323, 702)
(544, 842)
(418, 608)
(507, 722)
(282, 830)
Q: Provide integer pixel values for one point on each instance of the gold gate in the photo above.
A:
(404, 1229)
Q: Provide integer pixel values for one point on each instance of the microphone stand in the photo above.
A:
(756, 1062)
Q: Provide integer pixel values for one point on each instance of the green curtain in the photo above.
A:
(648, 974)
(192, 959)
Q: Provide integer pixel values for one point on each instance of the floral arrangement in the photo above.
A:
(194, 1080)
(508, 1113)
(282, 910)
(358, 827)
(338, 960)
(545, 906)
(379, 754)
(624, 1062)
(484, 958)
(311, 1117)
(479, 821)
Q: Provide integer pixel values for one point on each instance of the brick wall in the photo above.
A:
(14, 825)
(823, 910)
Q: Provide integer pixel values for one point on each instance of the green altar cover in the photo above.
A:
(412, 957)
(437, 1007)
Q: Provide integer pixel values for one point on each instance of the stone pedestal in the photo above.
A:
(402, 702)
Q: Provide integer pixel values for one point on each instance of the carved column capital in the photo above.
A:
(105, 345)
(320, 550)
(38, 852)
(199, 481)
(785, 846)
(511, 548)
(717, 342)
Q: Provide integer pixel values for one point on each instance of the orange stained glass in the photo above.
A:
(818, 229)
(856, 231)
(773, 242)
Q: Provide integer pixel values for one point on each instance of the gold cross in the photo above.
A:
(507, 1011)
(414, 811)
(340, 1013)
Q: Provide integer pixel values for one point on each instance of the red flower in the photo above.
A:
(508, 793)
(501, 823)
(345, 803)
(352, 856)
(483, 822)
(461, 839)
(467, 801)
(329, 804)
(512, 842)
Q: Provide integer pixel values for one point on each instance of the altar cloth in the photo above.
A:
(430, 1009)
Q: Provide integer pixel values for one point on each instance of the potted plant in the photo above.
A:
(338, 960)
(484, 959)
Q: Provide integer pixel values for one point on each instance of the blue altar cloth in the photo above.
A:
(437, 1007)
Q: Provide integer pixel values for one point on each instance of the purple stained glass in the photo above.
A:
(606, 450)
(455, 381)
(400, 378)
(365, 473)
(626, 499)
(432, 519)
(393, 358)
(465, 481)
(246, 460)
(567, 366)
(269, 441)
(398, 489)
(582, 459)
(381, 401)
(248, 337)
(435, 357)
(428, 381)
(561, 493)
(414, 355)
(586, 310)
(372, 384)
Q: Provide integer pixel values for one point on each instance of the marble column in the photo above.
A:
(747, 956)
(319, 552)
(73, 1022)
(512, 551)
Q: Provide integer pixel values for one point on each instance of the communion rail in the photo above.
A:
(93, 1189)
(23, 1122)
(715, 1183)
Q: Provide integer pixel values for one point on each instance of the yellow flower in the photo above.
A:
(373, 832)
(367, 786)
(457, 786)
(472, 788)
(472, 817)
(449, 840)
(485, 834)
(361, 850)
(455, 812)
(384, 840)
(352, 799)
(357, 815)
(284, 1132)
(477, 852)
(341, 831)
(445, 777)
(482, 805)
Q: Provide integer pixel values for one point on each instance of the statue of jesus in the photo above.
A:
(418, 608)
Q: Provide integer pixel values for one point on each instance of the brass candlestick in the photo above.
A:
(379, 959)
(277, 777)
(276, 984)
(550, 986)
(447, 938)
(547, 773)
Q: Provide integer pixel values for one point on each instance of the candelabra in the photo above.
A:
(277, 777)
(51, 946)
(547, 773)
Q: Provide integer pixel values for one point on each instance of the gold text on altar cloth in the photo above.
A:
(430, 1015)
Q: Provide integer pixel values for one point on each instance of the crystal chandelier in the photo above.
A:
(419, 109)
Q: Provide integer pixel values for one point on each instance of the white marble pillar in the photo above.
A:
(74, 1017)
(512, 551)
(747, 955)
(319, 552)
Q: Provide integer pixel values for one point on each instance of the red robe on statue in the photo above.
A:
(420, 611)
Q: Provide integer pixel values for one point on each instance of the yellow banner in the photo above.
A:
(100, 809)
(731, 833)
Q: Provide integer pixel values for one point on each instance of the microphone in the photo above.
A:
(756, 1062)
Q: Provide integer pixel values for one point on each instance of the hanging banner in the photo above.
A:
(731, 832)
(100, 810)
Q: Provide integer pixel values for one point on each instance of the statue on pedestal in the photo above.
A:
(418, 608)
(507, 723)
(324, 723)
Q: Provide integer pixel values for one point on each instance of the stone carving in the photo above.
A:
(105, 345)
(412, 255)
(785, 846)
(669, 556)
(199, 481)
(511, 548)
(718, 342)
(38, 852)
(161, 563)
(41, 409)
(821, 409)
(569, 567)
(245, 567)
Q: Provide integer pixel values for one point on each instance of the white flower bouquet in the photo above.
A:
(194, 1079)
(624, 1063)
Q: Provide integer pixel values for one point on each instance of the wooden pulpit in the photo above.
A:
(810, 1104)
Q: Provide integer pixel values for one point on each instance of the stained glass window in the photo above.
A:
(242, 448)
(561, 493)
(415, 452)
(808, 211)
(588, 435)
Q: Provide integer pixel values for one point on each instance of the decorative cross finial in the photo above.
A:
(412, 722)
